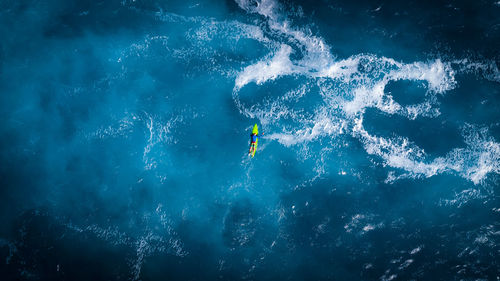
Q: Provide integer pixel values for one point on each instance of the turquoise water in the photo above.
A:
(126, 130)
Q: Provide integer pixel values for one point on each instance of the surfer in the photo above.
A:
(254, 137)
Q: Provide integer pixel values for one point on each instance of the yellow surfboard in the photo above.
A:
(254, 131)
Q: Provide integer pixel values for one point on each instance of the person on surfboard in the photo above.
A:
(253, 141)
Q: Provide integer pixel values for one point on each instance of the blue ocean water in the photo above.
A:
(125, 131)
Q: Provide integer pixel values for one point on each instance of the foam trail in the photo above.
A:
(265, 70)
(322, 126)
(348, 87)
(488, 69)
(480, 157)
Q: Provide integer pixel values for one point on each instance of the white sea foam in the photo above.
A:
(207, 38)
(361, 224)
(322, 125)
(405, 264)
(268, 69)
(349, 86)
(416, 250)
(123, 128)
(147, 244)
(266, 8)
(480, 157)
(160, 132)
(487, 69)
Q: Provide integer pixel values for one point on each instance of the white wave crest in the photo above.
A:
(348, 87)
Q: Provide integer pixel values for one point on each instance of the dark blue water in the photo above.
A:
(125, 130)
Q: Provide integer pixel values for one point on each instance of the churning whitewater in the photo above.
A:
(358, 83)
